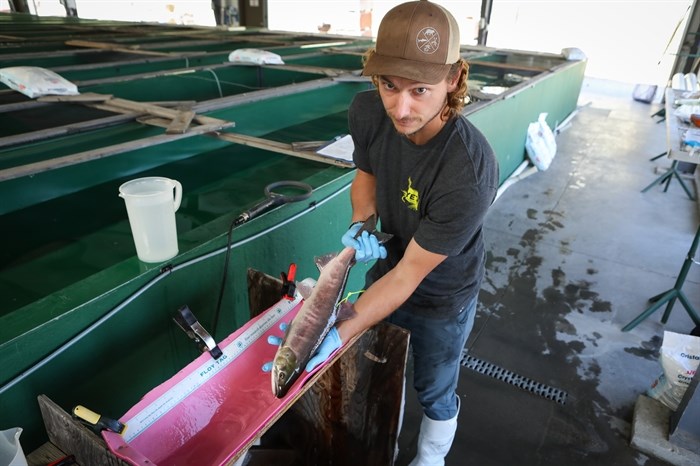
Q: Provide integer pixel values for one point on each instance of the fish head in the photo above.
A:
(285, 370)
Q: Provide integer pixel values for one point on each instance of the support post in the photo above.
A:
(71, 8)
(667, 177)
(674, 293)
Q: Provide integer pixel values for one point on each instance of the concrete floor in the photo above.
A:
(574, 254)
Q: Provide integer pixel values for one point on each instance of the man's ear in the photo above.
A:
(452, 82)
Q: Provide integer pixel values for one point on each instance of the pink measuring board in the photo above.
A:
(212, 409)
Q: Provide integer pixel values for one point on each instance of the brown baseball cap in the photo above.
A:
(416, 40)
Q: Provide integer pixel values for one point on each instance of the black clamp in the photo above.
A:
(186, 320)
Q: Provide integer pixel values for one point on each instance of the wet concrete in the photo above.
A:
(574, 254)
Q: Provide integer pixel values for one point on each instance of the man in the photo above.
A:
(430, 176)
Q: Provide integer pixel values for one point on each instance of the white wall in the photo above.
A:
(193, 12)
(625, 40)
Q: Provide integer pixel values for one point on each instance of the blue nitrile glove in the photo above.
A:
(370, 248)
(329, 344)
(276, 341)
(367, 246)
(348, 238)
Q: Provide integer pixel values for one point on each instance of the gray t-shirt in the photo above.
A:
(437, 193)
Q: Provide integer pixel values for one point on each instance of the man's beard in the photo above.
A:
(437, 114)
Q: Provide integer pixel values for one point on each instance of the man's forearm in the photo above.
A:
(391, 291)
(376, 303)
(363, 196)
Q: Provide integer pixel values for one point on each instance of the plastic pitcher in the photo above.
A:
(11, 453)
(151, 206)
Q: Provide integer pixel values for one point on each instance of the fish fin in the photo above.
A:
(322, 261)
(306, 287)
(370, 226)
(345, 311)
(382, 237)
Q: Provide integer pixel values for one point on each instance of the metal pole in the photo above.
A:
(484, 21)
(19, 6)
(71, 8)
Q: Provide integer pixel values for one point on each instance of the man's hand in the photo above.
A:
(348, 238)
(276, 341)
(366, 246)
(329, 344)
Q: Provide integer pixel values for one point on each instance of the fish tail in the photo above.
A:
(370, 226)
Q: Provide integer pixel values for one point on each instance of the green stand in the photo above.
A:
(657, 156)
(661, 113)
(670, 173)
(671, 295)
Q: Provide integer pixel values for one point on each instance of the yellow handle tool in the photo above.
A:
(99, 422)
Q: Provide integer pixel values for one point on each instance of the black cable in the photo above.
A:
(238, 221)
(272, 199)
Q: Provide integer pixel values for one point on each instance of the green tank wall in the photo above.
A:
(77, 305)
(505, 120)
(106, 353)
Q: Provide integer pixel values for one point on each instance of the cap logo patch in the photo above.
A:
(428, 40)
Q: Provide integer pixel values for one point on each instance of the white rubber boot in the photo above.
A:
(435, 440)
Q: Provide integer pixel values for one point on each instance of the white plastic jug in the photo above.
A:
(678, 82)
(11, 453)
(151, 207)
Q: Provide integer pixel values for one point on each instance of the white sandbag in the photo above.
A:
(680, 357)
(254, 57)
(540, 144)
(34, 81)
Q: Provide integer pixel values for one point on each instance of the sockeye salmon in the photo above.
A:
(320, 311)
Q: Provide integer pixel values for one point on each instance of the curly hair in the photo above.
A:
(455, 99)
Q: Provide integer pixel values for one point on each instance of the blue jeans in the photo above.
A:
(437, 345)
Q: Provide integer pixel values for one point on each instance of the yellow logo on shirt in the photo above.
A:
(410, 197)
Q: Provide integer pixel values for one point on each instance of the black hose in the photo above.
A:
(272, 199)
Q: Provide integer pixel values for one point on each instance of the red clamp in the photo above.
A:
(289, 287)
(65, 461)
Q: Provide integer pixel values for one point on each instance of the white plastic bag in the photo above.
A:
(684, 111)
(254, 57)
(680, 356)
(34, 81)
(540, 144)
(573, 53)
